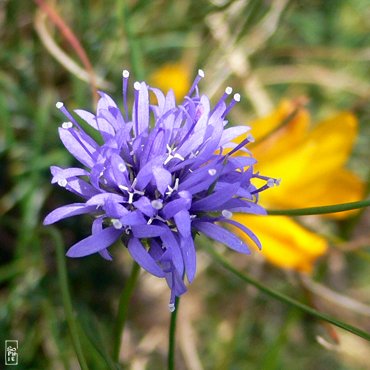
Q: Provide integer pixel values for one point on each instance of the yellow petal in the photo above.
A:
(342, 186)
(265, 125)
(173, 76)
(333, 140)
(285, 243)
(312, 173)
(288, 137)
(292, 168)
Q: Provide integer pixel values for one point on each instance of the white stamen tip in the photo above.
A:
(62, 183)
(130, 198)
(125, 73)
(251, 138)
(59, 104)
(137, 85)
(212, 171)
(122, 187)
(277, 182)
(179, 156)
(227, 214)
(270, 183)
(171, 307)
(237, 97)
(228, 90)
(117, 224)
(201, 73)
(157, 204)
(122, 167)
(67, 125)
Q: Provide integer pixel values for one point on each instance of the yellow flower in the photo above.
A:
(175, 76)
(310, 161)
(285, 243)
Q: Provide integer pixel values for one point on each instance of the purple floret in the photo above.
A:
(164, 173)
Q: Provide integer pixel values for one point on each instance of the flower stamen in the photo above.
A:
(125, 75)
(236, 99)
(117, 224)
(175, 188)
(171, 156)
(196, 81)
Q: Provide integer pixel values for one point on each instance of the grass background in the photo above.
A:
(319, 49)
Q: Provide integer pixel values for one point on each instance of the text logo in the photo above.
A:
(11, 352)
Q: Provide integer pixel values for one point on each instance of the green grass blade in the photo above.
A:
(319, 210)
(285, 299)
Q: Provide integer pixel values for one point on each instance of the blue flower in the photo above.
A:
(162, 174)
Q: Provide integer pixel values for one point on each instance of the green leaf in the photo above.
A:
(66, 296)
(93, 332)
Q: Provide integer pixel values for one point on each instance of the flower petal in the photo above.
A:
(143, 258)
(222, 235)
(94, 243)
(141, 115)
(183, 222)
(69, 210)
(97, 227)
(101, 125)
(189, 256)
(286, 244)
(81, 188)
(81, 149)
(100, 199)
(162, 178)
(233, 132)
(216, 199)
(175, 206)
(170, 242)
(144, 205)
(246, 231)
(133, 218)
(146, 231)
(298, 123)
(66, 173)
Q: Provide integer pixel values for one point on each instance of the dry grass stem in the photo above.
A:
(335, 298)
(235, 56)
(313, 74)
(61, 57)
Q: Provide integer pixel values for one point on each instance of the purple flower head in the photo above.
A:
(163, 173)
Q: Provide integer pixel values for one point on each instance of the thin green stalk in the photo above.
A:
(319, 210)
(133, 44)
(66, 297)
(172, 336)
(283, 298)
(123, 309)
(271, 358)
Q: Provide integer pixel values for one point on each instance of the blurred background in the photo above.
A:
(302, 69)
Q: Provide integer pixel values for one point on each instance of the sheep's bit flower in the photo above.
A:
(161, 175)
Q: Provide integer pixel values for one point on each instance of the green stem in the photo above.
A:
(66, 297)
(172, 336)
(319, 210)
(133, 44)
(123, 309)
(285, 299)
